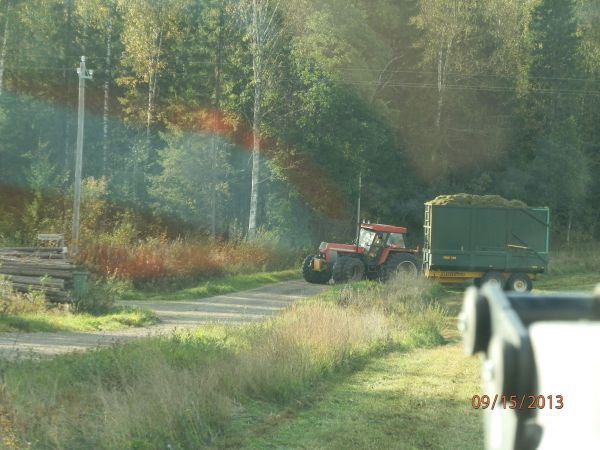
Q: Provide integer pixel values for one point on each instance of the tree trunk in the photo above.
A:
(106, 109)
(443, 60)
(67, 35)
(4, 47)
(440, 86)
(257, 51)
(569, 225)
(152, 81)
(217, 107)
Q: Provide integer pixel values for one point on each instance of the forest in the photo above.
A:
(248, 118)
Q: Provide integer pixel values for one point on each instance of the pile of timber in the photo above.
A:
(43, 269)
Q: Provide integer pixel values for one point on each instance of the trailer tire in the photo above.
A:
(399, 263)
(310, 275)
(354, 269)
(519, 282)
(494, 278)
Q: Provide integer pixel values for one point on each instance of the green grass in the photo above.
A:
(360, 366)
(186, 390)
(49, 321)
(416, 400)
(218, 286)
(567, 282)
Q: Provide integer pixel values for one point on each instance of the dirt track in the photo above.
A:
(239, 307)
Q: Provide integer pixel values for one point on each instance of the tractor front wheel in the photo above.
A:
(312, 276)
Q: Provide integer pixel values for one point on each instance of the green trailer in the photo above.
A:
(506, 246)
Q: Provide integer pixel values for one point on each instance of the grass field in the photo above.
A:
(363, 366)
(186, 390)
(414, 400)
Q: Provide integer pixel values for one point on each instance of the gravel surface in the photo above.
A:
(240, 307)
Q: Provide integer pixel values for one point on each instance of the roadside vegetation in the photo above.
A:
(337, 369)
(155, 262)
(417, 400)
(188, 390)
(30, 312)
(208, 288)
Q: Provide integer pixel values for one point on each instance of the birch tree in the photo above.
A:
(147, 26)
(446, 25)
(4, 44)
(102, 16)
(264, 36)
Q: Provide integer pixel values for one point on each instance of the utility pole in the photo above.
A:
(83, 75)
(358, 209)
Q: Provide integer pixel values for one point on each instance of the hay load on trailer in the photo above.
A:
(485, 239)
(492, 201)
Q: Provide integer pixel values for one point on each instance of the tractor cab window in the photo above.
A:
(366, 238)
(397, 240)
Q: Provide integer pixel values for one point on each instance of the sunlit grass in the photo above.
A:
(49, 321)
(185, 390)
(414, 400)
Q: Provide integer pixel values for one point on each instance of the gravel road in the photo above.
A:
(239, 307)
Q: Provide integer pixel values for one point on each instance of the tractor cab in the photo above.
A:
(385, 235)
(374, 238)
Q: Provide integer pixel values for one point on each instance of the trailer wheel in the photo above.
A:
(354, 269)
(519, 282)
(310, 275)
(494, 278)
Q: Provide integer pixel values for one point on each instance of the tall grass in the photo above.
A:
(182, 391)
(158, 259)
(578, 258)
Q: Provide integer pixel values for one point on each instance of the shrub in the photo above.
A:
(12, 302)
(158, 259)
(102, 295)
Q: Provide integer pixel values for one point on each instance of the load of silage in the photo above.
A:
(494, 201)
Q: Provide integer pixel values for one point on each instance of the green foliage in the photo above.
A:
(194, 169)
(422, 97)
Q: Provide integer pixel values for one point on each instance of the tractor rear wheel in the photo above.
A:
(310, 275)
(403, 264)
(354, 269)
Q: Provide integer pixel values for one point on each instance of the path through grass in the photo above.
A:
(415, 400)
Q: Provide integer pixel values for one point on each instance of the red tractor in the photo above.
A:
(378, 253)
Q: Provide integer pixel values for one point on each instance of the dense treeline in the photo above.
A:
(227, 117)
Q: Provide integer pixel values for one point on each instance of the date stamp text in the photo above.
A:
(522, 401)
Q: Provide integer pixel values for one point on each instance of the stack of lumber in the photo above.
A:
(477, 200)
(38, 269)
